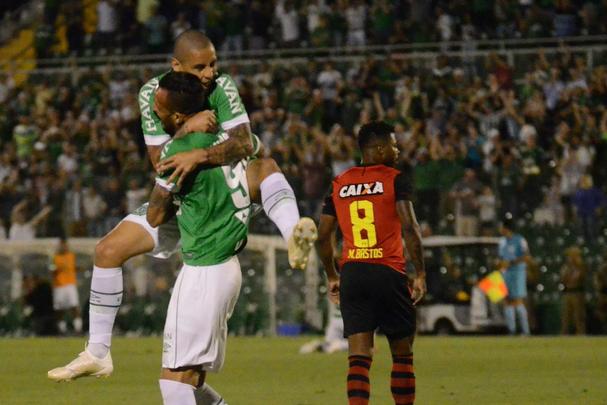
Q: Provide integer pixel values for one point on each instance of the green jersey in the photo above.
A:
(224, 100)
(213, 204)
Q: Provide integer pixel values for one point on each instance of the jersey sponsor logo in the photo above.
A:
(377, 253)
(231, 92)
(145, 96)
(355, 190)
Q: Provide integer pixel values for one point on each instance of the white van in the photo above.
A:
(454, 304)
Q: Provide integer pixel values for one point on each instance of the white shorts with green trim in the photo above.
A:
(196, 328)
(165, 236)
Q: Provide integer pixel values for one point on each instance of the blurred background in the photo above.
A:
(499, 108)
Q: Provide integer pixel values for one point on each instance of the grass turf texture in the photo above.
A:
(269, 371)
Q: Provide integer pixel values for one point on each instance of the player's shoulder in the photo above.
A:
(224, 83)
(345, 174)
(148, 87)
(389, 170)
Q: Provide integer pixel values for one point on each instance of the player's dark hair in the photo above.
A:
(372, 132)
(186, 93)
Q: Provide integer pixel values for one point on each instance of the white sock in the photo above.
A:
(62, 326)
(279, 203)
(176, 393)
(78, 325)
(105, 300)
(206, 395)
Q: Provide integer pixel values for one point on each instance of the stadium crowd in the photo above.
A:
(474, 139)
(253, 24)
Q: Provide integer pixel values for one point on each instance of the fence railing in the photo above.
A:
(589, 46)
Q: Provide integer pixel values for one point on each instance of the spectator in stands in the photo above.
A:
(234, 20)
(444, 24)
(135, 195)
(288, 19)
(25, 135)
(68, 161)
(449, 170)
(331, 82)
(156, 32)
(22, 228)
(508, 180)
(107, 25)
(94, 212)
(74, 28)
(466, 193)
(356, 18)
(588, 202)
(337, 23)
(573, 279)
(114, 198)
(571, 169)
(426, 188)
(551, 210)
(382, 21)
(180, 25)
(74, 210)
(487, 211)
(565, 19)
(259, 19)
(65, 291)
(341, 150)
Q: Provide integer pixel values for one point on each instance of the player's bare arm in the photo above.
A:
(161, 207)
(238, 146)
(204, 121)
(413, 240)
(326, 249)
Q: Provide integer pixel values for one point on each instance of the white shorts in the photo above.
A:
(165, 236)
(65, 297)
(196, 327)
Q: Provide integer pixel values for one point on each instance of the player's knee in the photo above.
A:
(106, 251)
(268, 167)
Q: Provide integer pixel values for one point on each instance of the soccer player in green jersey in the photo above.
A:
(193, 53)
(212, 208)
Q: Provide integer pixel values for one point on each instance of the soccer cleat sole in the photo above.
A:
(303, 238)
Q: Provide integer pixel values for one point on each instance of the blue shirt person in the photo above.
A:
(513, 250)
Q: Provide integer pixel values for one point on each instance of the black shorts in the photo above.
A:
(375, 296)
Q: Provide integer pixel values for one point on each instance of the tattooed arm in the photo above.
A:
(161, 207)
(413, 242)
(238, 146)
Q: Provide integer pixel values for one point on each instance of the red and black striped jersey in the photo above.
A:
(363, 199)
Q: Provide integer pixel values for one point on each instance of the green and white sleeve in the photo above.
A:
(226, 102)
(153, 132)
(162, 179)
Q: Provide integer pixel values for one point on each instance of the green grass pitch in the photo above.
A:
(269, 371)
